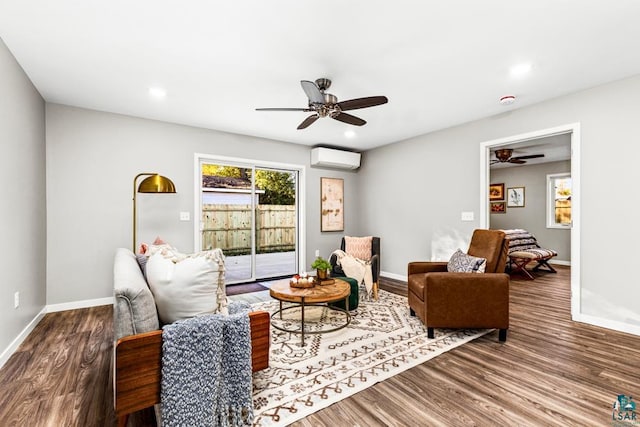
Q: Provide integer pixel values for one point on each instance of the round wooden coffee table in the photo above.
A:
(303, 297)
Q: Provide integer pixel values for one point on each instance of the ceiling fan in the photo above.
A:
(323, 104)
(504, 156)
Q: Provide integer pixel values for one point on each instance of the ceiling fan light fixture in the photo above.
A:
(507, 99)
(330, 98)
(504, 154)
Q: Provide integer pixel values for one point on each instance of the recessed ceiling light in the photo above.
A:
(507, 99)
(520, 69)
(157, 92)
(350, 134)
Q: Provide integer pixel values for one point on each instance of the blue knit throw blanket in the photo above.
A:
(206, 370)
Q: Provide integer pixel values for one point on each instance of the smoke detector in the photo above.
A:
(507, 99)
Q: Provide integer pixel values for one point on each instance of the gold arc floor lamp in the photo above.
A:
(153, 183)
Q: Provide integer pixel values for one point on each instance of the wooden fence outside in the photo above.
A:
(228, 227)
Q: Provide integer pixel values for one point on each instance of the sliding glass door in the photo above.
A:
(275, 223)
(251, 213)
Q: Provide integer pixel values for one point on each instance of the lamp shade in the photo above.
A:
(156, 184)
(153, 183)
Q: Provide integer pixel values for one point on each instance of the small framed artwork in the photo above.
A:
(515, 197)
(498, 207)
(331, 204)
(496, 192)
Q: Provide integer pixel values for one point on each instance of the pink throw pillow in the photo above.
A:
(358, 247)
(144, 248)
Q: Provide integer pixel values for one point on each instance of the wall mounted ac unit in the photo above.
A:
(332, 158)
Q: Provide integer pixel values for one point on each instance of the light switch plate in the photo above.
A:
(185, 216)
(466, 216)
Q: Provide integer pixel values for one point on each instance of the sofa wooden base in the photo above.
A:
(138, 366)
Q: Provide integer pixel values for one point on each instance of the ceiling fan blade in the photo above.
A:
(530, 156)
(283, 109)
(312, 91)
(516, 161)
(308, 121)
(348, 118)
(370, 101)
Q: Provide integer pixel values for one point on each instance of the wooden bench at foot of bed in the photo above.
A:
(524, 249)
(518, 260)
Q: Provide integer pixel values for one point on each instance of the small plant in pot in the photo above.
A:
(321, 266)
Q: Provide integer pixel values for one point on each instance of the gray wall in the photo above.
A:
(410, 193)
(533, 216)
(416, 190)
(92, 159)
(23, 212)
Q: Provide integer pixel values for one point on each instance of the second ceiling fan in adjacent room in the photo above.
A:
(504, 155)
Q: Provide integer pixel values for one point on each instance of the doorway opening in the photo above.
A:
(574, 131)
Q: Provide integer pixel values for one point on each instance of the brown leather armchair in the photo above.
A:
(464, 300)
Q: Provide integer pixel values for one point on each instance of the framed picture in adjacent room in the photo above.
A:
(498, 207)
(515, 197)
(496, 192)
(331, 204)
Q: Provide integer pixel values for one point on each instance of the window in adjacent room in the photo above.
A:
(559, 200)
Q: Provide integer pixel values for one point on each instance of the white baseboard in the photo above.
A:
(6, 354)
(393, 276)
(51, 308)
(559, 262)
(609, 324)
(74, 305)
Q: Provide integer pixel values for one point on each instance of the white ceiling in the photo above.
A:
(440, 63)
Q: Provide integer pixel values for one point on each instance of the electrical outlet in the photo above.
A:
(317, 252)
(16, 300)
(185, 216)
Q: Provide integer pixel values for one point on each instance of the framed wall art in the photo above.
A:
(515, 197)
(498, 207)
(496, 192)
(331, 204)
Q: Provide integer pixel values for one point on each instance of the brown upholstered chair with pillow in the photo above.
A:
(476, 299)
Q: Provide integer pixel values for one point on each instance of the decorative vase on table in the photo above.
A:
(321, 273)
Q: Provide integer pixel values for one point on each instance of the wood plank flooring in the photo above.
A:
(551, 371)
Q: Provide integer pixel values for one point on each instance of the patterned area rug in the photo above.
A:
(382, 340)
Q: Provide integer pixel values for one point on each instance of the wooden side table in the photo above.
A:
(303, 297)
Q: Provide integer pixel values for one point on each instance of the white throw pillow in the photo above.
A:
(463, 263)
(185, 286)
